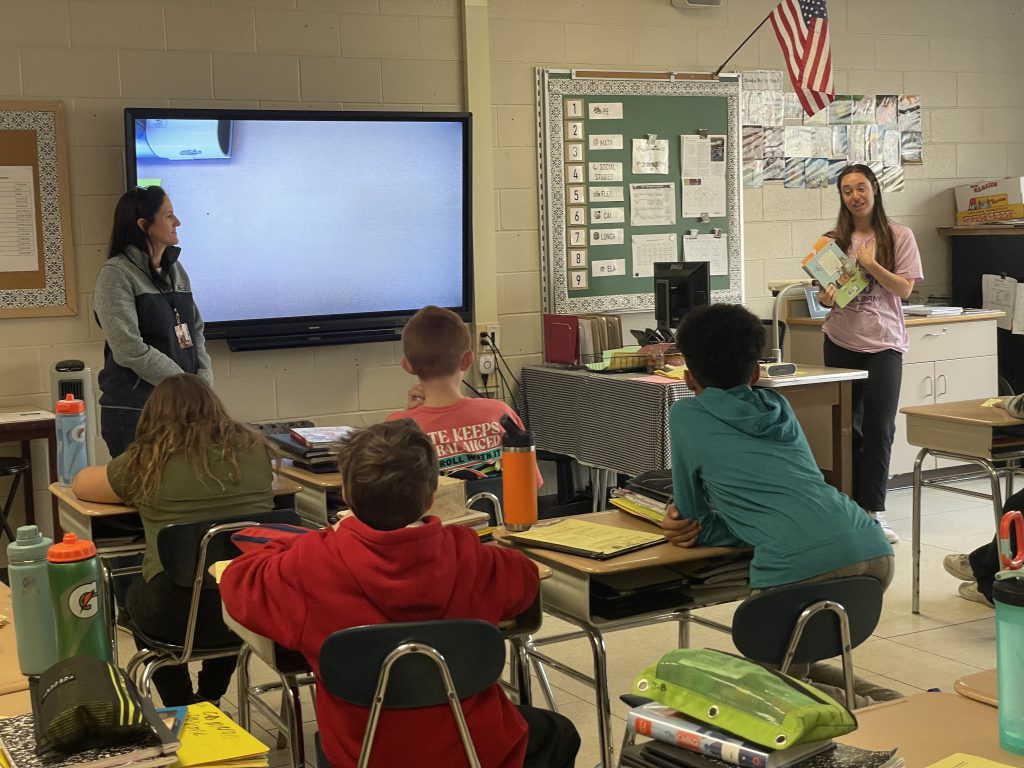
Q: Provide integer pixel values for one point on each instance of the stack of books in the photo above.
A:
(312, 448)
(645, 496)
(931, 310)
(679, 741)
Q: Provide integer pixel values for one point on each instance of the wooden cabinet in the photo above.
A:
(948, 359)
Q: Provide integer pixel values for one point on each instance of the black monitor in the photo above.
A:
(679, 286)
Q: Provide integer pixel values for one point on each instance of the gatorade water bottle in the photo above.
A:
(518, 476)
(77, 597)
(71, 429)
(30, 594)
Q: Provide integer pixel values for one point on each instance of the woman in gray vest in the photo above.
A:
(143, 302)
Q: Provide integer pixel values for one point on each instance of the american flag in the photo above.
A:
(802, 29)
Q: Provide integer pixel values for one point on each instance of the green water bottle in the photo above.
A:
(76, 590)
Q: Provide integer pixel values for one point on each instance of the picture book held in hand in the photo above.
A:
(827, 264)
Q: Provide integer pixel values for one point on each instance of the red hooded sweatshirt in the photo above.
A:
(299, 591)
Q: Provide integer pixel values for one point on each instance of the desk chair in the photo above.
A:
(808, 622)
(430, 663)
(186, 551)
(14, 468)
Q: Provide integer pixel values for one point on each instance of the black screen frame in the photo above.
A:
(681, 284)
(339, 328)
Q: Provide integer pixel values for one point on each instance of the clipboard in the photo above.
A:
(585, 539)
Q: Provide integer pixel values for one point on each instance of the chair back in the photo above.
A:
(764, 623)
(180, 545)
(351, 661)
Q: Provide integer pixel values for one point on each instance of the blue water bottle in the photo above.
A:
(34, 627)
(72, 455)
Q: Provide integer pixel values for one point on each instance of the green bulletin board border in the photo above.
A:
(552, 87)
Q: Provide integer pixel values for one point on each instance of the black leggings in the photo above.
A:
(117, 426)
(875, 400)
(160, 609)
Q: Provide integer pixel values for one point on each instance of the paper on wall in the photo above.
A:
(652, 205)
(710, 248)
(705, 194)
(602, 141)
(1000, 293)
(702, 156)
(648, 249)
(18, 245)
(650, 155)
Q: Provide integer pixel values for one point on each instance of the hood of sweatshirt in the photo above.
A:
(409, 570)
(756, 412)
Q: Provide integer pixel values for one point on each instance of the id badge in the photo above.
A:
(184, 337)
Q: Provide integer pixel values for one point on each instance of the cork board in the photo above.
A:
(37, 273)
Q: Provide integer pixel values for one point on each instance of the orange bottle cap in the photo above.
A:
(70, 550)
(70, 405)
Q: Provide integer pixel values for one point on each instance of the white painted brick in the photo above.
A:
(440, 38)
(517, 251)
(668, 47)
(421, 82)
(901, 52)
(103, 25)
(867, 82)
(63, 73)
(518, 209)
(516, 127)
(300, 32)
(171, 74)
(244, 76)
(780, 203)
(385, 37)
(767, 240)
(527, 41)
(988, 90)
(36, 24)
(513, 84)
(97, 171)
(954, 125)
(10, 72)
(1002, 125)
(515, 168)
(1015, 159)
(195, 28)
(420, 7)
(519, 292)
(936, 89)
(752, 210)
(986, 161)
(383, 389)
(593, 44)
(852, 51)
(249, 398)
(329, 78)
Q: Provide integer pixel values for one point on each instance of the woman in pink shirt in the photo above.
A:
(869, 332)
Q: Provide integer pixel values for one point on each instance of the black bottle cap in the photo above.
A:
(515, 436)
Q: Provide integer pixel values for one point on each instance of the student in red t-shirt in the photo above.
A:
(465, 431)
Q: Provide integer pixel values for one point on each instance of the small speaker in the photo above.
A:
(73, 377)
(696, 3)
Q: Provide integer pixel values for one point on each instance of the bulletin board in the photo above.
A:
(37, 274)
(611, 166)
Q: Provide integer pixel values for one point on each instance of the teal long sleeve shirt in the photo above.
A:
(742, 468)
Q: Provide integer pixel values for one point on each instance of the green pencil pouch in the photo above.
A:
(743, 698)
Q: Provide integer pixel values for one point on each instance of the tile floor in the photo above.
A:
(951, 637)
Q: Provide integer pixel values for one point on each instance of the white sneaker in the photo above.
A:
(958, 566)
(891, 536)
(970, 591)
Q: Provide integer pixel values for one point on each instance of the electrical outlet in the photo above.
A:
(486, 363)
(489, 337)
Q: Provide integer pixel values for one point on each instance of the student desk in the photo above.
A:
(22, 424)
(927, 727)
(77, 516)
(567, 596)
(311, 501)
(965, 432)
(619, 421)
(981, 686)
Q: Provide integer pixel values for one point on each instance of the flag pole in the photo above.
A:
(745, 41)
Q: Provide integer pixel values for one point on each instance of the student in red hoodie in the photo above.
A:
(389, 563)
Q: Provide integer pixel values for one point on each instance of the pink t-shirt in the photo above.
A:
(873, 321)
(466, 434)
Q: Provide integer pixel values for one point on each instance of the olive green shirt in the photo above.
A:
(185, 497)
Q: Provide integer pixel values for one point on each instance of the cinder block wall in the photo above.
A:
(97, 56)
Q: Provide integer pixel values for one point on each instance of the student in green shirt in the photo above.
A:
(189, 462)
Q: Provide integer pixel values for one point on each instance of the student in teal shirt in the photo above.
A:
(743, 473)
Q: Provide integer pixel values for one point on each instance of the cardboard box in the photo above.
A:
(985, 201)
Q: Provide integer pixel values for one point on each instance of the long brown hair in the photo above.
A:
(885, 250)
(183, 415)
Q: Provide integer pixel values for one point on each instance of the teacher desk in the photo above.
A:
(619, 421)
(567, 596)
